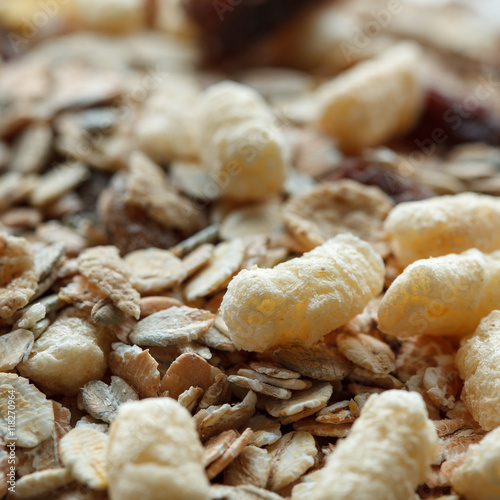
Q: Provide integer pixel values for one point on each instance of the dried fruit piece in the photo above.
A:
(445, 295)
(373, 101)
(477, 477)
(367, 351)
(172, 326)
(477, 361)
(155, 438)
(291, 457)
(230, 454)
(316, 397)
(102, 401)
(14, 347)
(332, 208)
(137, 367)
(34, 415)
(250, 467)
(305, 298)
(103, 266)
(18, 276)
(443, 225)
(186, 371)
(83, 453)
(373, 462)
(41, 483)
(320, 361)
(70, 353)
(240, 147)
(226, 260)
(154, 270)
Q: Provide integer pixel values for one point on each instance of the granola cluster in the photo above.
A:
(245, 261)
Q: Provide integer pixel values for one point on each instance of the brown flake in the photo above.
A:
(266, 431)
(315, 397)
(154, 270)
(171, 326)
(105, 313)
(337, 413)
(229, 455)
(15, 347)
(197, 259)
(320, 361)
(81, 293)
(83, 453)
(190, 397)
(252, 466)
(186, 371)
(103, 266)
(42, 483)
(383, 380)
(102, 401)
(216, 446)
(273, 370)
(291, 456)
(325, 430)
(217, 394)
(260, 387)
(217, 340)
(367, 351)
(18, 275)
(136, 367)
(225, 262)
(291, 384)
(443, 385)
(154, 304)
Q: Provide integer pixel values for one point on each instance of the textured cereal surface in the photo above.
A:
(386, 455)
(477, 478)
(305, 298)
(446, 295)
(478, 360)
(155, 438)
(444, 224)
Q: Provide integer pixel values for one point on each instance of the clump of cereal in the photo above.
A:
(477, 361)
(386, 455)
(155, 439)
(442, 225)
(373, 101)
(477, 477)
(18, 276)
(240, 144)
(446, 295)
(70, 353)
(305, 298)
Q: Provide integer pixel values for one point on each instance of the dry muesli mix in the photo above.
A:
(249, 250)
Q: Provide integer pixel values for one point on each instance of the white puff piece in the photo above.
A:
(305, 298)
(477, 361)
(478, 478)
(387, 454)
(444, 224)
(155, 452)
(374, 101)
(240, 145)
(446, 295)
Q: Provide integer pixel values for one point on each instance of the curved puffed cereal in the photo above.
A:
(70, 353)
(374, 100)
(477, 361)
(442, 225)
(154, 450)
(240, 145)
(386, 455)
(478, 478)
(305, 298)
(446, 295)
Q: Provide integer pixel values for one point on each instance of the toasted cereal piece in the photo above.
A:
(477, 361)
(250, 467)
(443, 225)
(83, 453)
(386, 455)
(478, 477)
(70, 353)
(305, 298)
(42, 483)
(103, 266)
(331, 208)
(154, 449)
(34, 414)
(14, 347)
(373, 101)
(240, 146)
(446, 295)
(18, 275)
